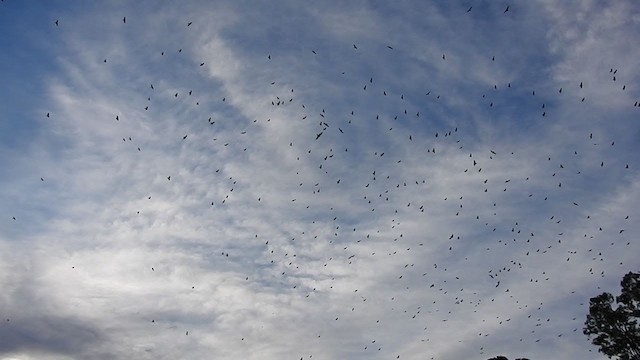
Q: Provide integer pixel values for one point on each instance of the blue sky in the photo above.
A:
(328, 180)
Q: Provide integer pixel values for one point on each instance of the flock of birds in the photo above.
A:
(376, 186)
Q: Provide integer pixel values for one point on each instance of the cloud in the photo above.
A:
(296, 195)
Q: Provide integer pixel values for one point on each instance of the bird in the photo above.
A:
(56, 22)
(469, 9)
(507, 9)
(124, 19)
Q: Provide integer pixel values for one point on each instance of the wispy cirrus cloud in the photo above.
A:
(265, 182)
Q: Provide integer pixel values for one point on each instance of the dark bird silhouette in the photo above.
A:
(470, 7)
(189, 24)
(56, 22)
(318, 136)
(124, 19)
(507, 9)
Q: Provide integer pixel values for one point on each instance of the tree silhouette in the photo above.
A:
(616, 331)
(500, 357)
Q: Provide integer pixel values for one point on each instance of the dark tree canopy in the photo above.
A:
(616, 331)
(500, 357)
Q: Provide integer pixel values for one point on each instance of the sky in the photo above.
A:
(315, 180)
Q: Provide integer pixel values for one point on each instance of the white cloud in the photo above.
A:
(254, 236)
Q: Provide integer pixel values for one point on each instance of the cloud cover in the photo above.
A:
(330, 180)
